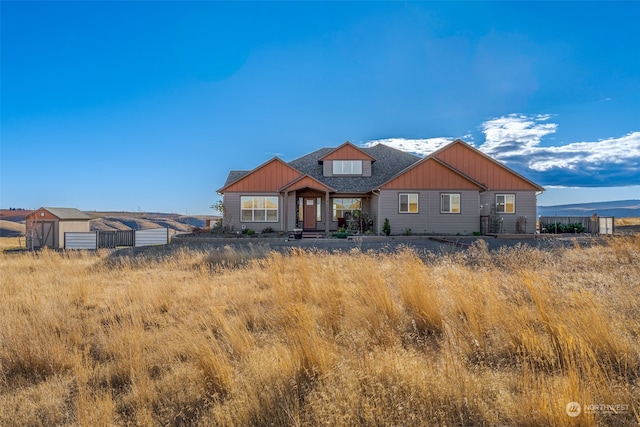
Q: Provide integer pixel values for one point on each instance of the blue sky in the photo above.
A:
(146, 106)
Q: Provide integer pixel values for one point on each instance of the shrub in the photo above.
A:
(386, 227)
(559, 228)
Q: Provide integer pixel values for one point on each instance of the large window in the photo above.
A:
(259, 209)
(450, 203)
(505, 203)
(408, 203)
(340, 206)
(347, 167)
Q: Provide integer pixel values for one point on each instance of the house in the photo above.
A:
(455, 190)
(45, 227)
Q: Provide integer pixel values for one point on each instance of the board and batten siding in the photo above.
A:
(429, 219)
(525, 206)
(80, 240)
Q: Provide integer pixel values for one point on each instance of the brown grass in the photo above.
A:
(627, 221)
(247, 338)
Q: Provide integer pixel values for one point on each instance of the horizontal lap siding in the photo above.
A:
(525, 206)
(466, 222)
(429, 219)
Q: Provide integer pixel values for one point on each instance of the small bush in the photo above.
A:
(386, 227)
(559, 228)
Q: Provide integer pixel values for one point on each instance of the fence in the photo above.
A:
(576, 224)
(113, 239)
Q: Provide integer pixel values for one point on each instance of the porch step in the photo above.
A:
(308, 235)
(312, 234)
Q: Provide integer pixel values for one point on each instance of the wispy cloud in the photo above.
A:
(420, 147)
(515, 140)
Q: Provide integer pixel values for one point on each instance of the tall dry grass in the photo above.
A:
(249, 338)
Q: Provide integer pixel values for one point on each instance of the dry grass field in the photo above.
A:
(235, 337)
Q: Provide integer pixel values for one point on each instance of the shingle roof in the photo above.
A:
(68, 213)
(234, 176)
(389, 161)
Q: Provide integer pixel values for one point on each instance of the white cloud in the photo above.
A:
(518, 132)
(421, 147)
(516, 138)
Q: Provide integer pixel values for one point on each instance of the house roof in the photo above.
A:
(64, 213)
(388, 162)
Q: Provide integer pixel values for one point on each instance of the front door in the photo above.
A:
(309, 214)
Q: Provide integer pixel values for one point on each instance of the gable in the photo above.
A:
(482, 168)
(306, 182)
(430, 174)
(270, 176)
(58, 213)
(40, 214)
(347, 151)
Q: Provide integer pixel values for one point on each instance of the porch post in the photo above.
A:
(327, 212)
(285, 212)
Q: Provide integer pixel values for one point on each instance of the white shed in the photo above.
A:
(46, 226)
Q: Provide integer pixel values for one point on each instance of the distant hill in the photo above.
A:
(618, 209)
(12, 223)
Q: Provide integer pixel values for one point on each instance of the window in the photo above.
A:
(450, 203)
(259, 209)
(340, 206)
(505, 203)
(408, 203)
(347, 167)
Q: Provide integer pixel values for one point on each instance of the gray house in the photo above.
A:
(455, 190)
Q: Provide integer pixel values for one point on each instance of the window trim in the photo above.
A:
(409, 196)
(254, 208)
(450, 211)
(342, 163)
(505, 204)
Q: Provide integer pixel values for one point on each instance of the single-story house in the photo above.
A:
(455, 190)
(45, 227)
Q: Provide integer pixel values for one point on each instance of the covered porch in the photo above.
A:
(315, 208)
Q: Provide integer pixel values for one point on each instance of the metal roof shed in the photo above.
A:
(46, 226)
